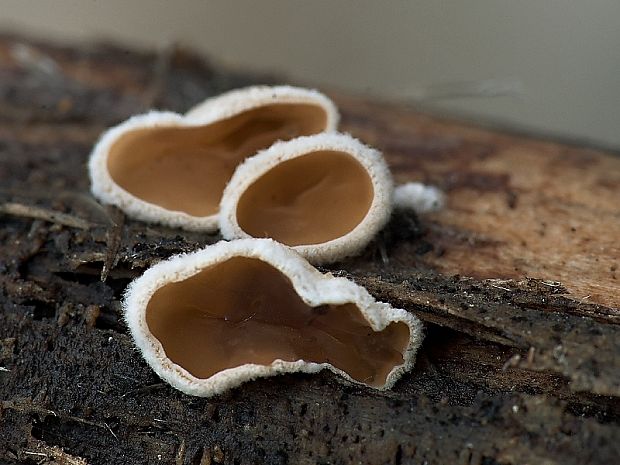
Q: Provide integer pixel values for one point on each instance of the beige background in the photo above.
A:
(556, 63)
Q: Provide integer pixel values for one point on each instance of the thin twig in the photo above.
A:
(161, 69)
(110, 430)
(113, 240)
(500, 287)
(180, 457)
(383, 251)
(39, 454)
(144, 389)
(584, 298)
(52, 216)
(512, 362)
(530, 356)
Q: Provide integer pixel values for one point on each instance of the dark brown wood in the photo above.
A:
(516, 281)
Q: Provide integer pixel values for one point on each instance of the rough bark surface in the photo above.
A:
(516, 281)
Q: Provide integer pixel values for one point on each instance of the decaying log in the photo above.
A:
(516, 281)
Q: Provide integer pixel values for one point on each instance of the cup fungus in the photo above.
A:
(325, 195)
(171, 169)
(235, 311)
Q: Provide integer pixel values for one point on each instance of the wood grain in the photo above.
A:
(517, 207)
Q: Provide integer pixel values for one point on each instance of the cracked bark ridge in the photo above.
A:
(516, 281)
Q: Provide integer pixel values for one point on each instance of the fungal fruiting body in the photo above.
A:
(172, 169)
(235, 311)
(418, 197)
(325, 195)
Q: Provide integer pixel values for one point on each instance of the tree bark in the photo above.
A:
(516, 280)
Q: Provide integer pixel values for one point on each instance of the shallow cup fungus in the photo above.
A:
(235, 311)
(171, 169)
(325, 195)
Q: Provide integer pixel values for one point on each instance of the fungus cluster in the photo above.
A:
(171, 169)
(266, 167)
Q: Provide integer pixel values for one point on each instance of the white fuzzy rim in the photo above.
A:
(214, 109)
(327, 252)
(313, 287)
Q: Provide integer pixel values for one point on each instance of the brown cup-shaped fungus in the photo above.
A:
(171, 169)
(235, 311)
(325, 195)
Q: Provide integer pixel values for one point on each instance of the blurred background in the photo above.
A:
(550, 67)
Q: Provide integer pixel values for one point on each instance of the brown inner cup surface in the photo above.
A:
(307, 200)
(186, 168)
(245, 311)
